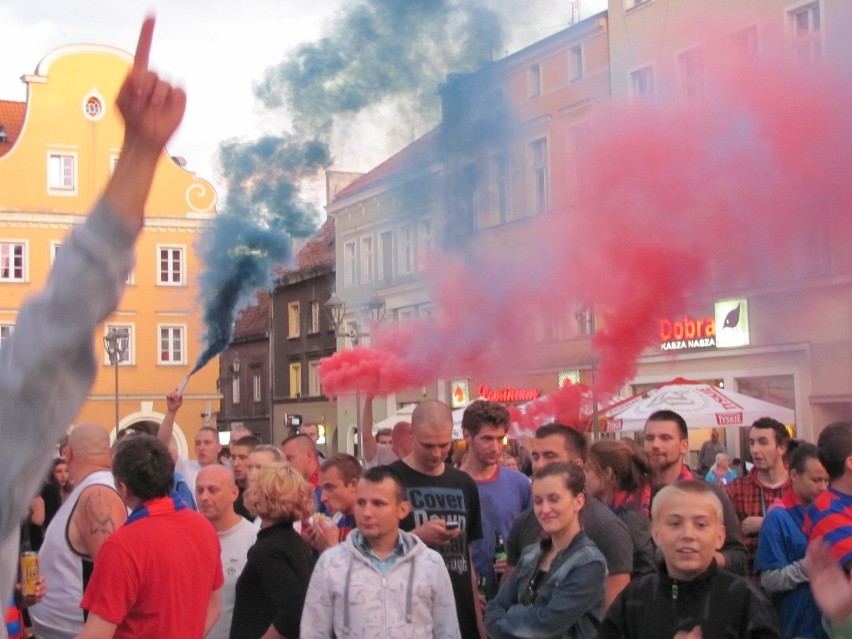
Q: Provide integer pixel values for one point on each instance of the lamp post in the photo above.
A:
(116, 343)
(336, 309)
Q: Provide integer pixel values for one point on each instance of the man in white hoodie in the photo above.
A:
(380, 582)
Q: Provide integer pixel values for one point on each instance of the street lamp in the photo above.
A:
(336, 309)
(116, 343)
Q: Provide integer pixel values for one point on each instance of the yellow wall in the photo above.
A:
(179, 206)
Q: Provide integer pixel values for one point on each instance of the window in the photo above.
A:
(745, 43)
(171, 345)
(386, 256)
(350, 265)
(425, 244)
(538, 158)
(13, 262)
(630, 4)
(6, 331)
(61, 172)
(314, 386)
(315, 317)
(575, 63)
(257, 386)
(804, 25)
(293, 324)
(691, 68)
(501, 186)
(642, 83)
(367, 272)
(534, 81)
(235, 388)
(171, 267)
(128, 354)
(295, 380)
(54, 250)
(406, 249)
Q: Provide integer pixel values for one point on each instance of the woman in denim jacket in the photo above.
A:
(557, 589)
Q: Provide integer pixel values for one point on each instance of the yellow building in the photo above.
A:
(57, 151)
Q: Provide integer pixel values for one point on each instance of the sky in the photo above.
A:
(217, 50)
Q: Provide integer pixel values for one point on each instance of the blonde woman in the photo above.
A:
(271, 589)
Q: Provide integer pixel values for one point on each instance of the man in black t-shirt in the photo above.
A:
(444, 506)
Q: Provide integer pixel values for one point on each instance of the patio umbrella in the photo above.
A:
(401, 415)
(701, 405)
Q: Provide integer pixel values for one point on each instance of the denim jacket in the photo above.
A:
(567, 604)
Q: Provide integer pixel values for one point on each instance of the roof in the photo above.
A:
(421, 152)
(12, 118)
(253, 321)
(319, 248)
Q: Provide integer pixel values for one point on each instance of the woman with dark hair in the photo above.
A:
(782, 545)
(557, 589)
(54, 492)
(618, 475)
(270, 591)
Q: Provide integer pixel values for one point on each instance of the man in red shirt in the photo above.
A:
(754, 494)
(160, 574)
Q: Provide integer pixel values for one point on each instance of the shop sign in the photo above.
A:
(509, 394)
(732, 323)
(459, 393)
(687, 333)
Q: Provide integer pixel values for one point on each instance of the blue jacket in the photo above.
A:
(568, 603)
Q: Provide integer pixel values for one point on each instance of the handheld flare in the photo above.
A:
(182, 385)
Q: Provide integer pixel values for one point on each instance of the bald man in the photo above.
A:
(444, 506)
(92, 512)
(382, 454)
(216, 492)
(300, 451)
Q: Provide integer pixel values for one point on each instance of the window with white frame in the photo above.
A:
(501, 186)
(406, 249)
(295, 380)
(691, 67)
(534, 81)
(6, 331)
(805, 32)
(314, 386)
(171, 265)
(367, 260)
(315, 317)
(350, 265)
(539, 174)
(62, 172)
(257, 386)
(745, 43)
(424, 240)
(642, 83)
(235, 388)
(293, 323)
(128, 355)
(13, 261)
(575, 63)
(172, 349)
(386, 255)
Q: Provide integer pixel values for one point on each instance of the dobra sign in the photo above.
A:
(509, 394)
(687, 333)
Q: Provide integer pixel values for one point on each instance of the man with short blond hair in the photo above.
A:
(206, 441)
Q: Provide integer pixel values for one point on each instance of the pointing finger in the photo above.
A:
(143, 48)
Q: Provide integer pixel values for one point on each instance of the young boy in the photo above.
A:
(690, 591)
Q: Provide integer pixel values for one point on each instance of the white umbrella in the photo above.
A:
(701, 405)
(401, 415)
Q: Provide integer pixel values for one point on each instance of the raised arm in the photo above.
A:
(167, 426)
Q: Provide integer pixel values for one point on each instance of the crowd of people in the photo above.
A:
(609, 540)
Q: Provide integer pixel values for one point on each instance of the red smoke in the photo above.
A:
(747, 189)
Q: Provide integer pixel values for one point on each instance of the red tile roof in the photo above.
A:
(12, 119)
(421, 152)
(319, 249)
(253, 321)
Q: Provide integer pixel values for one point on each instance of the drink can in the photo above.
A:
(29, 573)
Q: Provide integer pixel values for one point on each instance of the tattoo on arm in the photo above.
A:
(99, 513)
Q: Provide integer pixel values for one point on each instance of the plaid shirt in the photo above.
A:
(752, 498)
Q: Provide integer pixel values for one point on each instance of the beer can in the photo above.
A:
(29, 573)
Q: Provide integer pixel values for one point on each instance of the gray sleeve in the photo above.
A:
(783, 579)
(48, 365)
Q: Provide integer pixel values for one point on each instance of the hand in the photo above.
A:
(41, 588)
(435, 533)
(831, 587)
(695, 633)
(152, 109)
(174, 402)
(500, 566)
(323, 535)
(751, 525)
